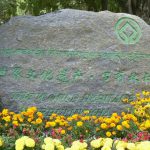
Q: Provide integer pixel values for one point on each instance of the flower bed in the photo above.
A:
(29, 129)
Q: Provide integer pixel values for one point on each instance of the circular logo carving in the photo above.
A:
(128, 30)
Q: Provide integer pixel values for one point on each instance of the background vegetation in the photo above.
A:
(9, 8)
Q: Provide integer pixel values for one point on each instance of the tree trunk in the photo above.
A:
(130, 7)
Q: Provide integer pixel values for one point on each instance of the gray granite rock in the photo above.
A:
(72, 60)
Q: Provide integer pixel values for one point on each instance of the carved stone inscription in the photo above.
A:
(100, 58)
(78, 80)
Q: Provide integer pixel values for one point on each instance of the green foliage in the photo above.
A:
(9, 8)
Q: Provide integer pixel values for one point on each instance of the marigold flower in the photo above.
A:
(125, 124)
(112, 125)
(49, 146)
(104, 126)
(63, 132)
(48, 140)
(15, 123)
(5, 112)
(40, 115)
(38, 121)
(29, 142)
(79, 123)
(97, 143)
(108, 134)
(69, 118)
(119, 127)
(131, 146)
(7, 118)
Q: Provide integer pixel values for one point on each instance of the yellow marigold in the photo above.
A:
(117, 120)
(77, 145)
(79, 123)
(7, 118)
(126, 124)
(145, 93)
(5, 112)
(19, 147)
(29, 142)
(53, 115)
(122, 113)
(49, 146)
(145, 145)
(56, 142)
(21, 119)
(119, 127)
(120, 145)
(108, 134)
(131, 146)
(48, 140)
(112, 125)
(15, 123)
(94, 117)
(61, 123)
(87, 118)
(38, 121)
(104, 126)
(33, 108)
(75, 116)
(60, 147)
(69, 118)
(108, 142)
(147, 124)
(107, 120)
(100, 119)
(52, 124)
(66, 124)
(83, 118)
(40, 115)
(47, 125)
(96, 143)
(43, 146)
(57, 121)
(19, 144)
(63, 132)
(134, 118)
(11, 113)
(114, 114)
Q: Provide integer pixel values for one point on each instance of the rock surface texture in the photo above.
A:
(73, 60)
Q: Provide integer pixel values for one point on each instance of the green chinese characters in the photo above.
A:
(66, 75)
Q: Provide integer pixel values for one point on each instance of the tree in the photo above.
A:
(11, 8)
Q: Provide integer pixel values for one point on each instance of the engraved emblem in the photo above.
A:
(128, 30)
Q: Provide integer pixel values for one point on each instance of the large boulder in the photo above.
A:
(71, 60)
